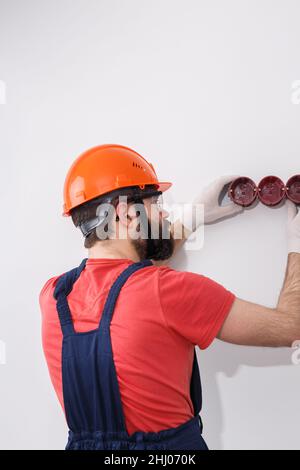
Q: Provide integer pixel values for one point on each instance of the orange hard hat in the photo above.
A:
(105, 168)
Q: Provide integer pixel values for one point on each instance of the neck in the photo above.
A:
(113, 249)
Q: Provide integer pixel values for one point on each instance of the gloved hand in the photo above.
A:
(293, 228)
(212, 210)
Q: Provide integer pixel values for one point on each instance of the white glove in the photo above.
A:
(293, 228)
(212, 210)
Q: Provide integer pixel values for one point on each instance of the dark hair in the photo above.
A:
(88, 210)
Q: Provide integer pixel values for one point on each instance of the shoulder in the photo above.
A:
(46, 292)
(169, 275)
(186, 287)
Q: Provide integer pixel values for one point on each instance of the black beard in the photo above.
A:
(154, 248)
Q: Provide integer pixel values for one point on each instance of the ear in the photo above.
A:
(126, 213)
(122, 213)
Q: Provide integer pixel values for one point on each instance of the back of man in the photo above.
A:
(160, 315)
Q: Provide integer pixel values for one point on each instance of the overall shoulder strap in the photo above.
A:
(62, 289)
(115, 290)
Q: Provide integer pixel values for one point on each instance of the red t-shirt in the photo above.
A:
(160, 314)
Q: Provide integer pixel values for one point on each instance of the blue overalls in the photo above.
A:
(91, 392)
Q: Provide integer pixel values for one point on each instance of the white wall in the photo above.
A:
(201, 88)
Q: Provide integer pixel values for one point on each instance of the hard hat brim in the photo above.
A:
(161, 186)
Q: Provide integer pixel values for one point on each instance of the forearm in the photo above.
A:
(205, 208)
(289, 298)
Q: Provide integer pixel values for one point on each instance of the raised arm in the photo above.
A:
(190, 220)
(255, 325)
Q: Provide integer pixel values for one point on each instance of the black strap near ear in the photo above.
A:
(87, 227)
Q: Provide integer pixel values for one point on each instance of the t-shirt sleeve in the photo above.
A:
(193, 305)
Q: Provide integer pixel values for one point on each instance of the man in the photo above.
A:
(119, 331)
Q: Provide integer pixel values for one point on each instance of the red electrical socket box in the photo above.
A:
(293, 189)
(243, 191)
(271, 190)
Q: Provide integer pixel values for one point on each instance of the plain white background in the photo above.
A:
(200, 88)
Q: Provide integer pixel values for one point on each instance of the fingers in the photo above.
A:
(292, 209)
(231, 209)
(224, 179)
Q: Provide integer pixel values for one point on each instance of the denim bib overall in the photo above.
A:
(91, 392)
